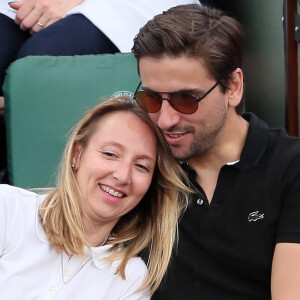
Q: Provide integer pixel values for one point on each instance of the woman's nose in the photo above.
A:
(122, 173)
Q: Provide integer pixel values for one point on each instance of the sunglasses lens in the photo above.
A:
(147, 101)
(151, 102)
(184, 103)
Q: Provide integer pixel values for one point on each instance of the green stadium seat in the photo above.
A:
(44, 98)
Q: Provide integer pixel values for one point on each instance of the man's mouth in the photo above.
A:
(175, 135)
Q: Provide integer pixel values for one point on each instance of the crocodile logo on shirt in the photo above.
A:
(254, 216)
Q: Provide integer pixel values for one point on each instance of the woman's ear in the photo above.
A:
(236, 89)
(76, 156)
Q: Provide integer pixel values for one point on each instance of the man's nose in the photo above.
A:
(167, 115)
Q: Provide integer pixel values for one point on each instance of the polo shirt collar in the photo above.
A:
(100, 253)
(255, 144)
(254, 148)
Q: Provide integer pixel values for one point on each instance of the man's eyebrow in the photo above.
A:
(191, 91)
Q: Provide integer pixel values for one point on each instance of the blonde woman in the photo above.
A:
(119, 194)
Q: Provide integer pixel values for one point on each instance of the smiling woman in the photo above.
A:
(119, 195)
(115, 169)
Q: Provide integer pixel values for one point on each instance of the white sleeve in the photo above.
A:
(120, 20)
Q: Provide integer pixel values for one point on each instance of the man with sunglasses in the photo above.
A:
(239, 238)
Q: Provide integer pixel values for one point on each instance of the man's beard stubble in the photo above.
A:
(203, 141)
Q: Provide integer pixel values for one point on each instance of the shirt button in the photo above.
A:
(200, 201)
(66, 272)
(52, 288)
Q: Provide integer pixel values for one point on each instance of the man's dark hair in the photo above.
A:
(195, 31)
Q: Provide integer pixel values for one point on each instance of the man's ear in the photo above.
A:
(76, 155)
(236, 89)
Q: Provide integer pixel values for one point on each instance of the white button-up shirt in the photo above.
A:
(119, 20)
(30, 268)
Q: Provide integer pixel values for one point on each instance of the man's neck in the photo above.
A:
(227, 148)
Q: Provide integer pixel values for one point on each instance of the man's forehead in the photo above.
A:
(173, 73)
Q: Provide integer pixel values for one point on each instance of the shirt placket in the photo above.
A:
(54, 283)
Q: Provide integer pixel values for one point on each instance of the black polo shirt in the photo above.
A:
(226, 247)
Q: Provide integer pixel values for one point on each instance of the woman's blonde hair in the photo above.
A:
(151, 227)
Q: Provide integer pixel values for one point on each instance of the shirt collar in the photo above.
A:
(255, 144)
(254, 148)
(100, 253)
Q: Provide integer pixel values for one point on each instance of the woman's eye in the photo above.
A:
(109, 154)
(143, 168)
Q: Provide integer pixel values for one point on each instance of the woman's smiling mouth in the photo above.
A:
(111, 191)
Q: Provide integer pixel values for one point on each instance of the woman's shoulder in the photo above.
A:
(136, 272)
(13, 192)
(136, 264)
(13, 197)
(18, 209)
(10, 189)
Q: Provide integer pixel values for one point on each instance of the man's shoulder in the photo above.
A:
(283, 144)
(276, 139)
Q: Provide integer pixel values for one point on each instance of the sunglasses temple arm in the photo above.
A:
(210, 90)
(138, 87)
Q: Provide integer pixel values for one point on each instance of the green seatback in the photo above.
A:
(45, 97)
